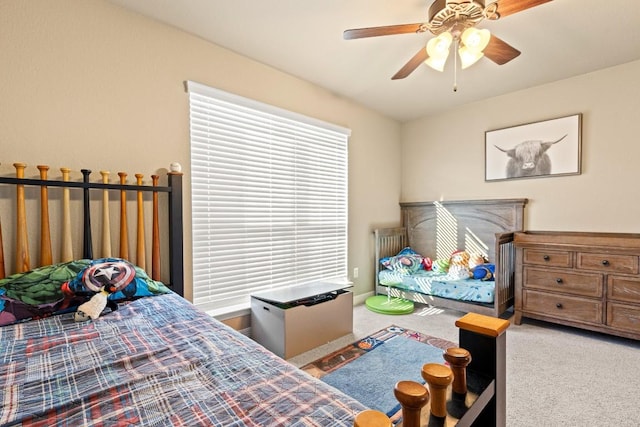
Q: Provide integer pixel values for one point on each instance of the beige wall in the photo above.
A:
(86, 84)
(443, 155)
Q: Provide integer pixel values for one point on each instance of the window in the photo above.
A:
(269, 199)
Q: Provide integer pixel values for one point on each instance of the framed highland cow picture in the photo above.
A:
(534, 150)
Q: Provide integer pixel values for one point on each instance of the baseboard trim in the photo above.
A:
(360, 299)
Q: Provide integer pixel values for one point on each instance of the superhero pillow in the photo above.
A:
(61, 288)
(121, 279)
(407, 261)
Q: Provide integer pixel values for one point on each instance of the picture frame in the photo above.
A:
(540, 149)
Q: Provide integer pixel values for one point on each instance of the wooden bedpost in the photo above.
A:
(485, 339)
(371, 418)
(413, 397)
(439, 377)
(458, 359)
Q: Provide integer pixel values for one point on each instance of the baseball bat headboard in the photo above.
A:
(174, 220)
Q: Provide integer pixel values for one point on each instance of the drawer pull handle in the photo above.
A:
(546, 257)
(605, 262)
(559, 280)
(559, 305)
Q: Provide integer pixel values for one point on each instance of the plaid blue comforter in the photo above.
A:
(156, 361)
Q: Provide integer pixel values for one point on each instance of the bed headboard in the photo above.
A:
(94, 194)
(460, 224)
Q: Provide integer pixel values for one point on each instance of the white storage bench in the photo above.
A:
(291, 321)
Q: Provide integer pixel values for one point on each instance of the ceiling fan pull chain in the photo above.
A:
(455, 67)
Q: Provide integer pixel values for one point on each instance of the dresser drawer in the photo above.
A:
(565, 281)
(565, 307)
(623, 288)
(622, 316)
(550, 258)
(607, 262)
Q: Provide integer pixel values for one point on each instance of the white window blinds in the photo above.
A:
(269, 199)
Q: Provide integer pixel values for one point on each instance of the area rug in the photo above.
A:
(368, 369)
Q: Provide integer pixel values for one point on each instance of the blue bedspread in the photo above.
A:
(436, 284)
(155, 361)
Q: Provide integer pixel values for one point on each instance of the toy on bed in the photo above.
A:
(65, 287)
(451, 277)
(38, 293)
(459, 265)
(111, 280)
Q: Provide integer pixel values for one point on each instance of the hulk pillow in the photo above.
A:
(61, 288)
(39, 292)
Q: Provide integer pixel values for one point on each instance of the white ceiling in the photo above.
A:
(559, 39)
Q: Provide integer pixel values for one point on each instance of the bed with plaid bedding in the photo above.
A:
(155, 361)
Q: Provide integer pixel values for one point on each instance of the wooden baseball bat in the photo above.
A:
(106, 226)
(140, 250)
(124, 232)
(87, 241)
(22, 241)
(155, 240)
(67, 245)
(45, 231)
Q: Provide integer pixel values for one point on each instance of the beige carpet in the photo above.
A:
(556, 376)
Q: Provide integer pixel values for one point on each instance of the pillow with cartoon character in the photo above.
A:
(407, 261)
(119, 278)
(61, 288)
(39, 292)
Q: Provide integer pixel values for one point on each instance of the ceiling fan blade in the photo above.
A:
(413, 63)
(359, 33)
(499, 51)
(509, 7)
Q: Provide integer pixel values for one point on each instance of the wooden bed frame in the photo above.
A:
(436, 229)
(137, 191)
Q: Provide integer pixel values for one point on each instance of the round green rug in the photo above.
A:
(384, 305)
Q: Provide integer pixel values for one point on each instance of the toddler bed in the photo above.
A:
(439, 230)
(150, 358)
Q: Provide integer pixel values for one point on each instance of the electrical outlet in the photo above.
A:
(355, 272)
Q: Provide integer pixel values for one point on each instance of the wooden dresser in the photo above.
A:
(585, 280)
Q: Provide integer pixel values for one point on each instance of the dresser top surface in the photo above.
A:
(579, 240)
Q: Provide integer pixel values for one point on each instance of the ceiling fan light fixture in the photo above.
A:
(468, 57)
(475, 39)
(473, 43)
(438, 51)
(436, 63)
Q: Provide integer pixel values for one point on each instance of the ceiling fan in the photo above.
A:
(454, 22)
